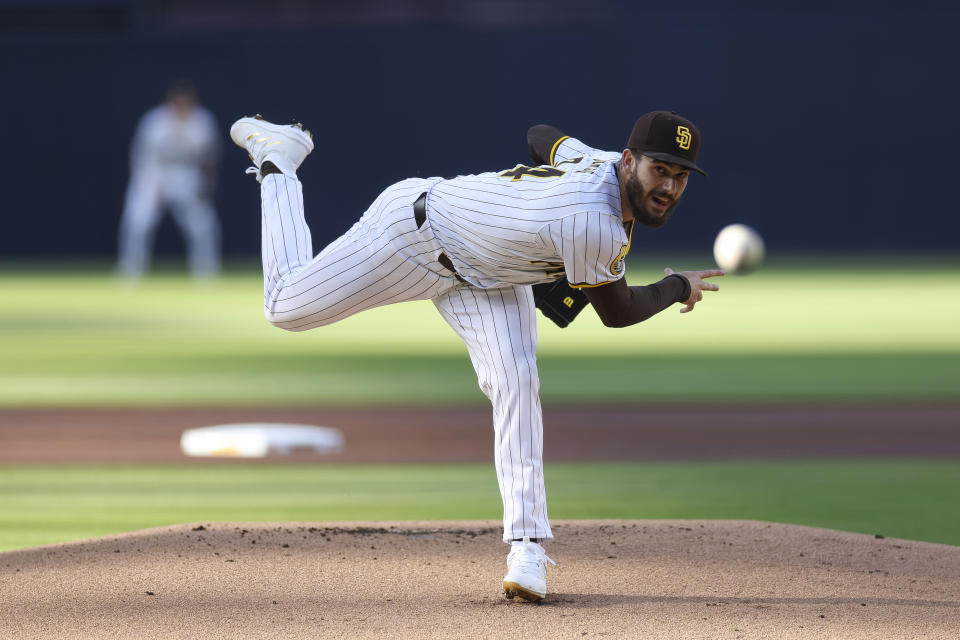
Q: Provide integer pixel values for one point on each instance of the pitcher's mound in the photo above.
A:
(637, 578)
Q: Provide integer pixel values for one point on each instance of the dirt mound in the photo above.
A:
(637, 578)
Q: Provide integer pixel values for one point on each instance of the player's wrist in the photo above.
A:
(686, 289)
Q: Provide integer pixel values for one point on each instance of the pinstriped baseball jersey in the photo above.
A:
(567, 149)
(533, 224)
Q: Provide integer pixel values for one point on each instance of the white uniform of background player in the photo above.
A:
(500, 231)
(173, 162)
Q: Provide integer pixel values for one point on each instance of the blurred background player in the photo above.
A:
(173, 166)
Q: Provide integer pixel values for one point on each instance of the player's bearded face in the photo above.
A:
(653, 202)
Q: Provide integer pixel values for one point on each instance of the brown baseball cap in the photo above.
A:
(666, 136)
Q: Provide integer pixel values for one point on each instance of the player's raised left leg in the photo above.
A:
(382, 259)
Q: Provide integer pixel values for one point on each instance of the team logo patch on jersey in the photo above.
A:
(683, 137)
(617, 266)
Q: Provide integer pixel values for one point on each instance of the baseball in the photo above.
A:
(738, 249)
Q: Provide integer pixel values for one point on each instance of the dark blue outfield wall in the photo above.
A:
(825, 129)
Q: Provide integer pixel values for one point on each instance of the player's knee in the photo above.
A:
(288, 323)
(285, 320)
(290, 319)
(296, 320)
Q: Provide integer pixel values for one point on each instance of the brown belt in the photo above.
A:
(420, 216)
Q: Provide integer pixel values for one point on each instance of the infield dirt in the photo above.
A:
(465, 434)
(624, 579)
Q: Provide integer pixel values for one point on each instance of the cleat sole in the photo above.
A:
(512, 590)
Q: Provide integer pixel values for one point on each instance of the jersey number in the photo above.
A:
(537, 172)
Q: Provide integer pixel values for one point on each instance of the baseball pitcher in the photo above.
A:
(488, 250)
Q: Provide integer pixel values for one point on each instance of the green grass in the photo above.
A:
(804, 329)
(799, 330)
(907, 499)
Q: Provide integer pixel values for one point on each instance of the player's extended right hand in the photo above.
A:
(697, 285)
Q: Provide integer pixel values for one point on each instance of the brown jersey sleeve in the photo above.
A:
(621, 306)
(542, 141)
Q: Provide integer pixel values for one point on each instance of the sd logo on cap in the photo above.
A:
(666, 136)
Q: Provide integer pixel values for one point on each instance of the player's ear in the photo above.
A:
(628, 159)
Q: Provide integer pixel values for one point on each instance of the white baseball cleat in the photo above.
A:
(285, 145)
(526, 571)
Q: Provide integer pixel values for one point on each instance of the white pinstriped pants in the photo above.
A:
(147, 195)
(383, 259)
